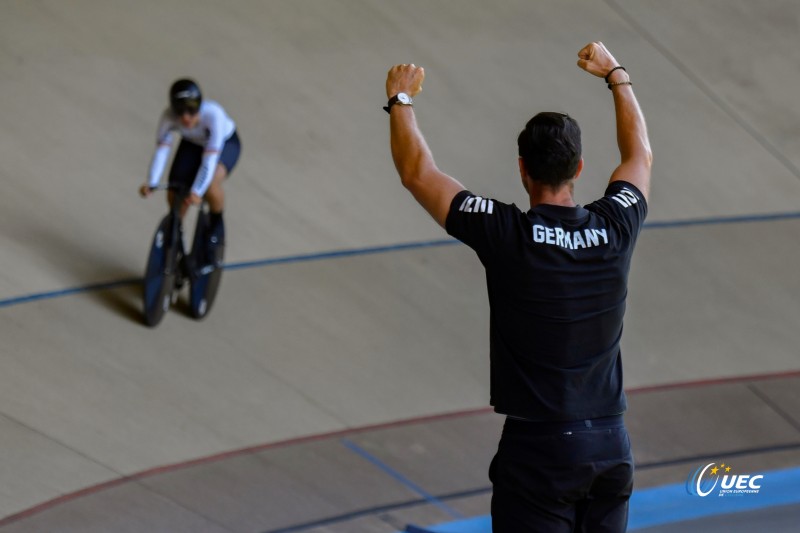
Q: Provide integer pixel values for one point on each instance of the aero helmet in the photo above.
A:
(185, 96)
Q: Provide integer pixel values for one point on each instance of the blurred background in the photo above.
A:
(344, 306)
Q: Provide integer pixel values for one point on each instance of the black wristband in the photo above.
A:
(388, 106)
(392, 101)
(612, 70)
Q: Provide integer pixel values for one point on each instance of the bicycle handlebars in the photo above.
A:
(177, 187)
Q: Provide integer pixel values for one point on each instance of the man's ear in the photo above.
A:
(580, 169)
(523, 174)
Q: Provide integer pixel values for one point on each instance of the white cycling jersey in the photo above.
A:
(212, 130)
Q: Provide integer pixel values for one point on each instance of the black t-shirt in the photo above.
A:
(557, 281)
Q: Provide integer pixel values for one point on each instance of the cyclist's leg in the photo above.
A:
(184, 168)
(215, 195)
(185, 165)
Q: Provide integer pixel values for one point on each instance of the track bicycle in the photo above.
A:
(169, 267)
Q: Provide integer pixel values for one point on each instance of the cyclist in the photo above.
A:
(206, 155)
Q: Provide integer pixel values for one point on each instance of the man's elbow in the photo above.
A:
(412, 175)
(648, 157)
(646, 153)
(408, 177)
(642, 157)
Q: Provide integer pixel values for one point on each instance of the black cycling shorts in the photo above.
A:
(189, 156)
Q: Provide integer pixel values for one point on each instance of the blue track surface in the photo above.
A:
(670, 504)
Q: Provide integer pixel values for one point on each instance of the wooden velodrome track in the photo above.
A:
(342, 378)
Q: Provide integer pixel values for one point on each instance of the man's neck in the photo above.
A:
(542, 194)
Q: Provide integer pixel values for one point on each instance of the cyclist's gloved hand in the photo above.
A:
(193, 199)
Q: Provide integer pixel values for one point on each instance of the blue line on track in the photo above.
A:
(742, 219)
(430, 498)
(672, 504)
(67, 292)
(479, 524)
(372, 511)
(335, 254)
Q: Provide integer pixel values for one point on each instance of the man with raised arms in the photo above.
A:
(556, 276)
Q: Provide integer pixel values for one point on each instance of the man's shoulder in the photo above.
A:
(622, 202)
(481, 222)
(468, 202)
(623, 193)
(474, 211)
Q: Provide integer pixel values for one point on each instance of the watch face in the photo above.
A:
(403, 98)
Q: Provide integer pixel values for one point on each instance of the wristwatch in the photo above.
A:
(400, 99)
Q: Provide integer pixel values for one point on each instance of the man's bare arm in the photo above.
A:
(634, 145)
(433, 189)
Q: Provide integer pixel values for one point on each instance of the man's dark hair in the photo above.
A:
(550, 148)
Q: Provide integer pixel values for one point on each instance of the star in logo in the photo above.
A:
(714, 471)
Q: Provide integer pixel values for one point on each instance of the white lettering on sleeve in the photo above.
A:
(625, 197)
(477, 204)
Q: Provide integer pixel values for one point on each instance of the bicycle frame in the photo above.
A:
(169, 265)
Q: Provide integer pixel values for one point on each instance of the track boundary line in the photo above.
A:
(344, 433)
(373, 250)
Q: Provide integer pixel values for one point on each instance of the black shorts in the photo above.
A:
(562, 477)
(189, 156)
